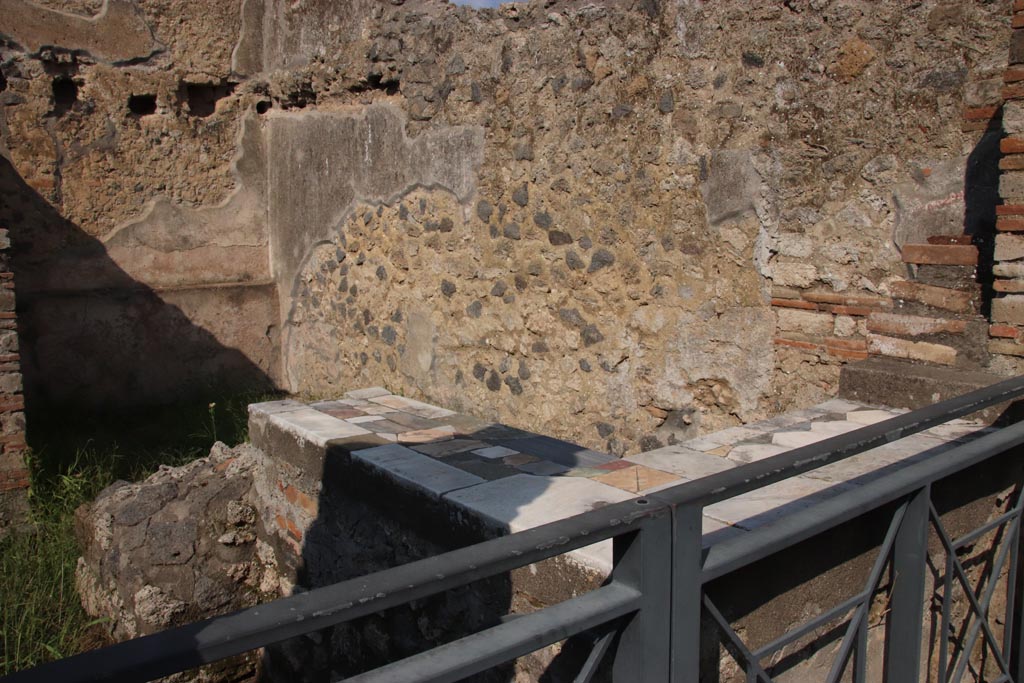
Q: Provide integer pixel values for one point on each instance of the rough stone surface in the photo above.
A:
(656, 166)
(186, 542)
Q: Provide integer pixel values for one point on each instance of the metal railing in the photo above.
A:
(650, 609)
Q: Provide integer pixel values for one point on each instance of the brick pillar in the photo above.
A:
(13, 472)
(1007, 317)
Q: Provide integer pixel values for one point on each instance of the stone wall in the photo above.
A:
(1008, 304)
(14, 478)
(622, 224)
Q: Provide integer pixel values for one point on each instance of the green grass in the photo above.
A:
(73, 457)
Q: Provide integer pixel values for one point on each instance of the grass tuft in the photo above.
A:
(72, 458)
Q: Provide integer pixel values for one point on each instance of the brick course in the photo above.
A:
(14, 476)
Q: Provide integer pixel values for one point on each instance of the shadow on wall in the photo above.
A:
(92, 337)
(981, 195)
(365, 524)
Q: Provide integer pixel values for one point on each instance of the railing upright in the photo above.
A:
(643, 561)
(909, 557)
(687, 567)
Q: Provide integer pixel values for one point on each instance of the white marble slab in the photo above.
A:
(311, 425)
(416, 471)
(524, 501)
(367, 393)
(413, 406)
(767, 504)
(683, 461)
(495, 452)
(274, 407)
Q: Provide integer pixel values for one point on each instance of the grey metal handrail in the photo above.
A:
(658, 573)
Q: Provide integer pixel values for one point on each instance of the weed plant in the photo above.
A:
(73, 456)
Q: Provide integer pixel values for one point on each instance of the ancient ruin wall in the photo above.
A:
(14, 476)
(573, 217)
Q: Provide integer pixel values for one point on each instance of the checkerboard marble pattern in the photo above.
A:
(514, 479)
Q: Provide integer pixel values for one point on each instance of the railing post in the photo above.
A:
(906, 605)
(643, 561)
(1015, 622)
(687, 590)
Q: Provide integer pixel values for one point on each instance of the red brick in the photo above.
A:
(848, 355)
(11, 480)
(855, 344)
(797, 344)
(291, 493)
(795, 303)
(10, 358)
(1014, 91)
(1010, 210)
(1007, 224)
(221, 466)
(1011, 145)
(850, 310)
(1012, 75)
(863, 300)
(1018, 20)
(971, 126)
(1014, 162)
(1018, 5)
(1004, 331)
(913, 325)
(294, 530)
(941, 255)
(14, 403)
(939, 297)
(980, 113)
(16, 439)
(6, 276)
(307, 503)
(951, 239)
(282, 523)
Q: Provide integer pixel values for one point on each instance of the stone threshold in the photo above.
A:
(446, 468)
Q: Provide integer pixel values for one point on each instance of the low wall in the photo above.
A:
(14, 476)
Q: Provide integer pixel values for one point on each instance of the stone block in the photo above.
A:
(1012, 286)
(1008, 309)
(1009, 247)
(731, 185)
(806, 322)
(1005, 347)
(415, 471)
(911, 350)
(1011, 185)
(793, 274)
(1013, 115)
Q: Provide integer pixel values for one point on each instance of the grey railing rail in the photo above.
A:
(654, 599)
